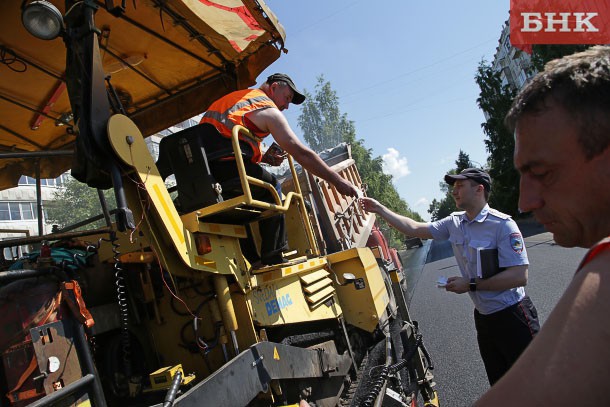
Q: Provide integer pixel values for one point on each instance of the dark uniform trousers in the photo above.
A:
(503, 336)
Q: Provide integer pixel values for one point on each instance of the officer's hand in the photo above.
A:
(458, 285)
(369, 204)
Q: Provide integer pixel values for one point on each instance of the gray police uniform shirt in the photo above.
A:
(490, 229)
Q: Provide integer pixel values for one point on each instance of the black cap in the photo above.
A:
(474, 174)
(298, 97)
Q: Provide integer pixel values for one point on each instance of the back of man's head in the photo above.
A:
(580, 83)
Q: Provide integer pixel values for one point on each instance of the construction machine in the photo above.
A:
(161, 306)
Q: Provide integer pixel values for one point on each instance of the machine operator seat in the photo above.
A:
(184, 155)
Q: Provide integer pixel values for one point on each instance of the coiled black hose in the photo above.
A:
(383, 373)
(121, 291)
(376, 385)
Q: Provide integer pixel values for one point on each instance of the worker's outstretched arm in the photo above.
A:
(273, 120)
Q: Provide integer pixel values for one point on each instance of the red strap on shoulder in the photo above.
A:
(595, 251)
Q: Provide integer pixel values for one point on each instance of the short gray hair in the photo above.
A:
(581, 84)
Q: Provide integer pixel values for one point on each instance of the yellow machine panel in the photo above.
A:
(162, 378)
(301, 297)
(365, 301)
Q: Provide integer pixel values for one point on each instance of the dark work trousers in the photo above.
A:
(503, 336)
(272, 229)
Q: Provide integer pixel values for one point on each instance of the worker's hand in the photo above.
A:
(347, 188)
(458, 285)
(274, 156)
(370, 204)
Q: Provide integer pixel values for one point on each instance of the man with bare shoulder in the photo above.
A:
(561, 121)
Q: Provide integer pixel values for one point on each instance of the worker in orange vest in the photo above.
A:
(259, 110)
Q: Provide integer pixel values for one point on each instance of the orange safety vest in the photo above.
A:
(230, 110)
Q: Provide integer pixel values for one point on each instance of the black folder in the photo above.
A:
(488, 263)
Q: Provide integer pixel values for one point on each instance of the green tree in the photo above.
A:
(76, 202)
(544, 53)
(324, 126)
(380, 187)
(495, 100)
(322, 123)
(444, 207)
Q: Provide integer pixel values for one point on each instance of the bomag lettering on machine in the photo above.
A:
(274, 306)
(160, 306)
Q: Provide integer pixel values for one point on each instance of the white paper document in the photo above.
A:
(479, 270)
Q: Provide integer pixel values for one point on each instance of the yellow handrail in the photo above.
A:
(247, 199)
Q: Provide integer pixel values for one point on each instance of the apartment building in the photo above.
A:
(515, 66)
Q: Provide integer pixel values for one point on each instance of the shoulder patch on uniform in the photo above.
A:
(516, 242)
(498, 214)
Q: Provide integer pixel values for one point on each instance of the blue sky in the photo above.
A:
(404, 73)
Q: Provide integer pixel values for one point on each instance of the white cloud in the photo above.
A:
(394, 164)
(446, 160)
(423, 201)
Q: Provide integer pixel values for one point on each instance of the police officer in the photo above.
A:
(505, 318)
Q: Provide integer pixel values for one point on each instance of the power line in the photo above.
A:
(400, 87)
(411, 110)
(405, 108)
(307, 27)
(420, 68)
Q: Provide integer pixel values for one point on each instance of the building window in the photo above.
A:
(522, 78)
(61, 180)
(45, 182)
(18, 211)
(14, 253)
(504, 79)
(153, 148)
(507, 45)
(27, 212)
(164, 133)
(26, 180)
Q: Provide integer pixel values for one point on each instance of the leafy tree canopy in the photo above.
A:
(495, 100)
(322, 123)
(544, 53)
(444, 207)
(76, 202)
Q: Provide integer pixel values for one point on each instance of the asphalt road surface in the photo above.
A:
(446, 319)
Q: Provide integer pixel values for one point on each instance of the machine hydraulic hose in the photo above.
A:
(382, 373)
